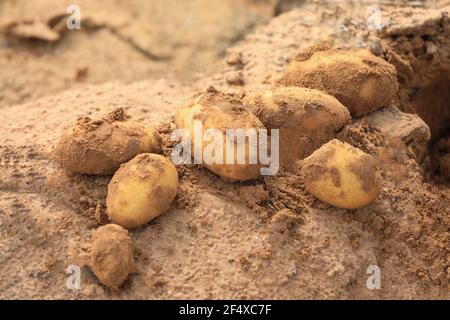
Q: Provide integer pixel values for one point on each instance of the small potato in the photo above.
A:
(306, 118)
(216, 110)
(141, 190)
(101, 146)
(111, 255)
(342, 175)
(358, 79)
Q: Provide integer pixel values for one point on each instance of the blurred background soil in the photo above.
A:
(124, 40)
(119, 40)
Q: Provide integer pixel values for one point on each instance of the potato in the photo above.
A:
(306, 119)
(101, 146)
(220, 111)
(357, 78)
(342, 175)
(111, 255)
(141, 190)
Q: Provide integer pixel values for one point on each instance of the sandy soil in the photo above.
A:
(117, 41)
(265, 239)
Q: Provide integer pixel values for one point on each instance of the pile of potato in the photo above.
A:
(338, 173)
(317, 96)
(143, 186)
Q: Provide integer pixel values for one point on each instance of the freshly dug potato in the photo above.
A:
(342, 175)
(357, 78)
(141, 190)
(101, 146)
(111, 255)
(216, 110)
(306, 118)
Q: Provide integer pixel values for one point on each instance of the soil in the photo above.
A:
(267, 238)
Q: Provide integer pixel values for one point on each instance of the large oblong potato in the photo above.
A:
(101, 146)
(216, 110)
(306, 118)
(342, 175)
(357, 78)
(141, 190)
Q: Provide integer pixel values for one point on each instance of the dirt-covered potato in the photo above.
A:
(216, 110)
(306, 118)
(342, 175)
(111, 255)
(357, 78)
(101, 146)
(141, 190)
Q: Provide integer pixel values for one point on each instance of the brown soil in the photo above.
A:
(263, 239)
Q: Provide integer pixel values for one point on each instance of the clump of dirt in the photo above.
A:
(441, 157)
(421, 56)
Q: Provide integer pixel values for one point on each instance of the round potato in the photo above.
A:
(306, 118)
(141, 190)
(101, 146)
(342, 175)
(357, 78)
(216, 110)
(111, 255)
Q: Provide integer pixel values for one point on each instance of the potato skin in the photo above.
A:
(342, 175)
(101, 146)
(220, 111)
(111, 255)
(141, 190)
(358, 79)
(306, 118)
